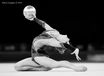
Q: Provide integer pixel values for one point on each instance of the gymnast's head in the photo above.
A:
(55, 34)
(63, 38)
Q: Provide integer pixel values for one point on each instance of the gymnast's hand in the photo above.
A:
(76, 52)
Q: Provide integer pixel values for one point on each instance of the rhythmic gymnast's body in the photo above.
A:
(49, 40)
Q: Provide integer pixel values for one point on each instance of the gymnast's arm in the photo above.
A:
(43, 24)
(73, 50)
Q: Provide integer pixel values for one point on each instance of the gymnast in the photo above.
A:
(49, 40)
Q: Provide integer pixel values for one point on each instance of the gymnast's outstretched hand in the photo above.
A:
(76, 52)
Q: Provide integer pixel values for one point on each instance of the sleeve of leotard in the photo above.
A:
(69, 47)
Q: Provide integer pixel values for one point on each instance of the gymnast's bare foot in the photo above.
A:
(81, 69)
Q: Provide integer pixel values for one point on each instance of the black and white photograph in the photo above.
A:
(51, 37)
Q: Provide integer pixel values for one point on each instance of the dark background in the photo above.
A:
(80, 20)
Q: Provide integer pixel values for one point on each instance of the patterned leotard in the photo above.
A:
(43, 51)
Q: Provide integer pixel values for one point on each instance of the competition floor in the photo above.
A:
(94, 69)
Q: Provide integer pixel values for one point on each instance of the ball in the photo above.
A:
(29, 12)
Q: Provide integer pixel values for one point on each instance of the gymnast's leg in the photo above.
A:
(29, 65)
(48, 62)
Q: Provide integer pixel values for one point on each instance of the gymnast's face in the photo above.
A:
(58, 36)
(63, 38)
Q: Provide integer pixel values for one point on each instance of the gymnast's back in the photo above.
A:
(45, 49)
